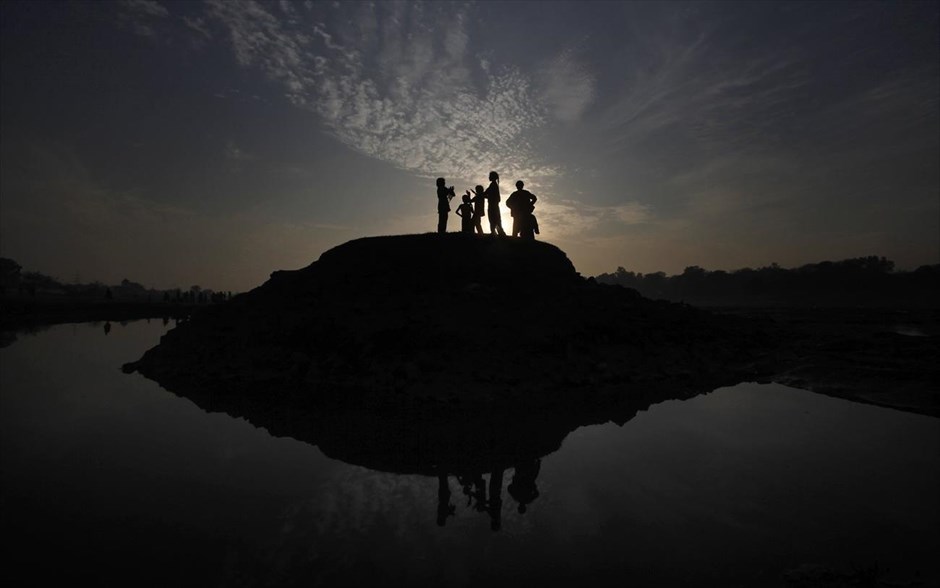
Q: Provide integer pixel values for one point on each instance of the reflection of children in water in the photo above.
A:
(522, 488)
(496, 499)
(475, 489)
(444, 507)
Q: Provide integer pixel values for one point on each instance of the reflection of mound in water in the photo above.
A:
(426, 437)
(429, 441)
(476, 450)
(523, 487)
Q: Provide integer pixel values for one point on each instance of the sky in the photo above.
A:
(212, 143)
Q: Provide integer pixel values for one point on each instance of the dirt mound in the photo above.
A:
(448, 321)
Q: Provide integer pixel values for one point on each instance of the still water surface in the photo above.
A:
(109, 478)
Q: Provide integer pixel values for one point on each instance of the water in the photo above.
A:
(109, 478)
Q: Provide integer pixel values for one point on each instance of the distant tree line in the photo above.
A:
(860, 281)
(15, 283)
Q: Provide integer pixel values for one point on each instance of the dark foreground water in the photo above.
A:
(106, 477)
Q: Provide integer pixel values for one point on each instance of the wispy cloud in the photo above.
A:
(147, 7)
(235, 153)
(686, 80)
(198, 24)
(403, 83)
(897, 108)
(153, 20)
(568, 219)
(568, 87)
(142, 15)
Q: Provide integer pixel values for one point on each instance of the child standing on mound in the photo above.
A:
(467, 217)
(478, 199)
(444, 194)
(492, 209)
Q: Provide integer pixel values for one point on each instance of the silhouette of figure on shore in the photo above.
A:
(522, 488)
(444, 507)
(478, 199)
(107, 327)
(521, 204)
(492, 209)
(465, 212)
(444, 194)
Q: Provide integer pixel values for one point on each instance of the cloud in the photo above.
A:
(402, 83)
(236, 153)
(153, 20)
(146, 7)
(896, 108)
(198, 25)
(567, 219)
(568, 87)
(141, 16)
(691, 84)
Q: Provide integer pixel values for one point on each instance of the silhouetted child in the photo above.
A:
(478, 199)
(492, 210)
(444, 194)
(466, 214)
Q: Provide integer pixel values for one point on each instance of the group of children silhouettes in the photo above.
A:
(521, 204)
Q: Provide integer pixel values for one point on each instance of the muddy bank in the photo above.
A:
(884, 356)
